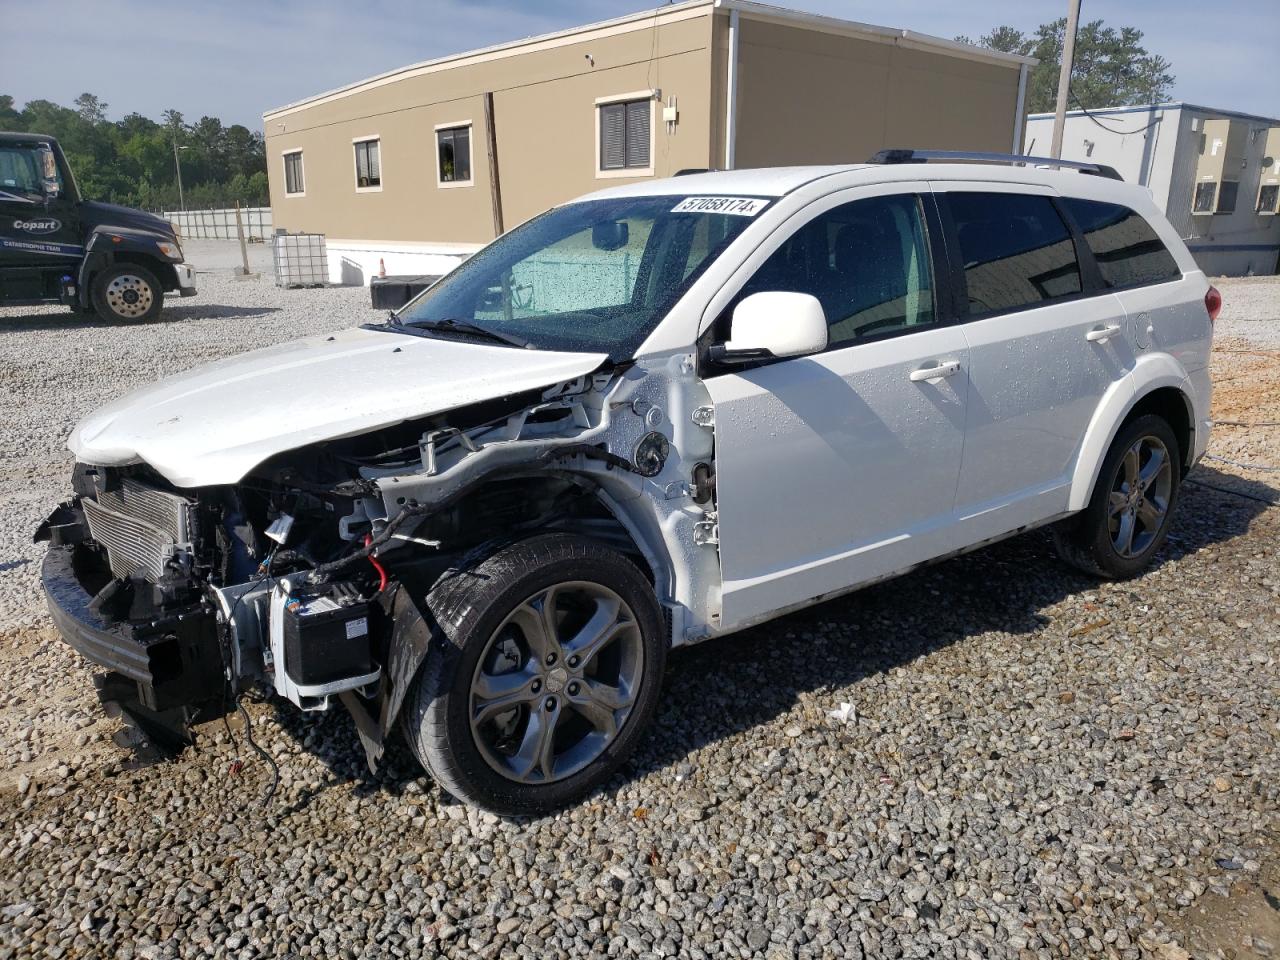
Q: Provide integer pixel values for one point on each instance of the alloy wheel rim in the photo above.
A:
(129, 296)
(1139, 499)
(556, 682)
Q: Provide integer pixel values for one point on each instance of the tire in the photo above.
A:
(504, 719)
(127, 292)
(1094, 540)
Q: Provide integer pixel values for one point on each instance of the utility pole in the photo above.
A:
(182, 203)
(1064, 77)
(242, 271)
(491, 147)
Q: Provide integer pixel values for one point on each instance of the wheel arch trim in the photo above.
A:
(1151, 373)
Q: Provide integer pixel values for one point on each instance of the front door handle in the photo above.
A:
(936, 371)
(1102, 334)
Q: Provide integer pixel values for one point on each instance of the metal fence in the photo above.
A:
(221, 224)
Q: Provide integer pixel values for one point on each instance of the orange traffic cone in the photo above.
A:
(382, 267)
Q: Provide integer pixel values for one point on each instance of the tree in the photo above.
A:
(130, 161)
(91, 109)
(172, 119)
(1111, 69)
(8, 116)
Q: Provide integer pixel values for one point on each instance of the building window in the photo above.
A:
(453, 155)
(294, 186)
(368, 164)
(626, 135)
(1268, 197)
(1205, 194)
(1227, 196)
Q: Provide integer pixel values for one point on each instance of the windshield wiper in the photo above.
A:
(462, 326)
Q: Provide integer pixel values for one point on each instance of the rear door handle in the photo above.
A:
(1102, 334)
(936, 371)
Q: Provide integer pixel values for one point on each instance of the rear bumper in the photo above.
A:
(174, 659)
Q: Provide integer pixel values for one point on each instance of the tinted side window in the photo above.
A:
(867, 262)
(1016, 250)
(20, 168)
(1128, 252)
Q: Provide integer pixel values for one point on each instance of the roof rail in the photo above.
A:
(968, 156)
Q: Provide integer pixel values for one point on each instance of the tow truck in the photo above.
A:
(93, 257)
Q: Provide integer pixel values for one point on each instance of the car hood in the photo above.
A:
(214, 424)
(94, 213)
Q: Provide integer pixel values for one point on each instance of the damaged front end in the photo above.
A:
(305, 578)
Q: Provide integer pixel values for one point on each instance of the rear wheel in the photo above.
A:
(549, 672)
(1128, 516)
(127, 292)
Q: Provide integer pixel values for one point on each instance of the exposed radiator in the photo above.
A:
(140, 527)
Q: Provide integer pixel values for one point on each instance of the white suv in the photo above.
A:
(649, 417)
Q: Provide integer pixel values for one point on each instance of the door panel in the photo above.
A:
(1163, 306)
(1035, 381)
(1044, 346)
(839, 468)
(836, 469)
(36, 235)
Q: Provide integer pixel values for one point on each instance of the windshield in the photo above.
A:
(594, 277)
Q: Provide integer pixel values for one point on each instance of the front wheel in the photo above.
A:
(549, 671)
(1128, 516)
(127, 292)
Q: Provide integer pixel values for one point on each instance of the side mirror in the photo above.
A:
(767, 325)
(610, 235)
(49, 172)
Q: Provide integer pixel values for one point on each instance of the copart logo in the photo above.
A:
(48, 225)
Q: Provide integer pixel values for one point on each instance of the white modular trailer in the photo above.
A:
(1214, 173)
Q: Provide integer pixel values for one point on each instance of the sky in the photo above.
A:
(233, 59)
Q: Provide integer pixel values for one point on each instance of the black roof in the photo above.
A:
(11, 137)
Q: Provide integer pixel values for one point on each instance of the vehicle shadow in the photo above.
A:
(70, 320)
(723, 687)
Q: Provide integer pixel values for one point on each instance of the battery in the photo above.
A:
(327, 638)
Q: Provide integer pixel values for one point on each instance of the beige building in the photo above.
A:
(420, 166)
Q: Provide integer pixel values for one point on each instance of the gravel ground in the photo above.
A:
(1034, 765)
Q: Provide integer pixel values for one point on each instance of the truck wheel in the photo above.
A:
(1128, 516)
(546, 674)
(127, 292)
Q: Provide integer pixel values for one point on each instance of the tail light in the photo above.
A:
(1213, 303)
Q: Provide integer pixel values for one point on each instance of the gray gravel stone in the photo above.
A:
(970, 809)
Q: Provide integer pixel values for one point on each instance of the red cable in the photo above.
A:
(382, 573)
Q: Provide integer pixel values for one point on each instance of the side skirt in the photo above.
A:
(862, 585)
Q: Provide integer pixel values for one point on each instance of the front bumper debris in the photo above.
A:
(173, 658)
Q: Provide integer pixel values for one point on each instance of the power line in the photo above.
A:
(1123, 133)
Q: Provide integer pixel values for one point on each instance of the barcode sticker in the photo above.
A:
(738, 206)
(357, 628)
